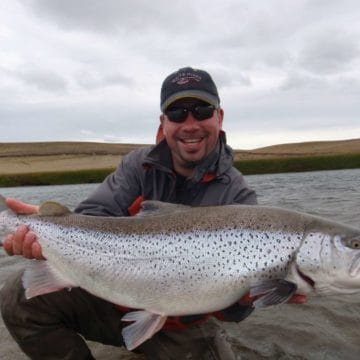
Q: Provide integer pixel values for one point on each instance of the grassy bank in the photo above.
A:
(55, 178)
(247, 167)
(298, 164)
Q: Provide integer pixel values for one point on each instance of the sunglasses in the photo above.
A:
(199, 112)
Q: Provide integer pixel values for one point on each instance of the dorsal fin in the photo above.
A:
(155, 207)
(52, 208)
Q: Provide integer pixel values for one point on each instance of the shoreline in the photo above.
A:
(85, 175)
(57, 163)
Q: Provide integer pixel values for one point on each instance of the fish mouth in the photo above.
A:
(306, 278)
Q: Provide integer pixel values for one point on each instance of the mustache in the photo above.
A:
(191, 134)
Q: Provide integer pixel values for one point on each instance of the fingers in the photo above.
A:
(20, 207)
(23, 242)
(18, 239)
(8, 244)
(37, 251)
(27, 245)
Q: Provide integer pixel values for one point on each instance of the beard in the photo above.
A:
(191, 164)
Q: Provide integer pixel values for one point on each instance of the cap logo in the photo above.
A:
(185, 78)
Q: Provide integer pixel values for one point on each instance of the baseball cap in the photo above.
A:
(188, 82)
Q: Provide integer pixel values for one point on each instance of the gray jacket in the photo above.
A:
(146, 173)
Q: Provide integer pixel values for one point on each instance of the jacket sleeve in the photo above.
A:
(119, 189)
(244, 194)
(237, 190)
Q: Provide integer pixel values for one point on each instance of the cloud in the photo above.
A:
(299, 80)
(95, 80)
(337, 85)
(91, 69)
(42, 79)
(65, 121)
(225, 77)
(108, 16)
(329, 52)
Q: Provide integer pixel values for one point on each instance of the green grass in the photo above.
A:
(298, 164)
(55, 178)
(247, 167)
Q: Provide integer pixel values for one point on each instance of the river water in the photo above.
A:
(316, 330)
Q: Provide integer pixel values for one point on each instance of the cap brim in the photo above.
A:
(196, 94)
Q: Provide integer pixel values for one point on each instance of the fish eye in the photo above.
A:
(351, 242)
(354, 244)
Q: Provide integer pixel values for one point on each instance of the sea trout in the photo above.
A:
(173, 260)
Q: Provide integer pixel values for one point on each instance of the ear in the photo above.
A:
(220, 113)
(162, 119)
(160, 133)
(162, 124)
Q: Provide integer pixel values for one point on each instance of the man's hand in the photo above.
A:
(22, 242)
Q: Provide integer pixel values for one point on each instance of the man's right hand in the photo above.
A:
(23, 241)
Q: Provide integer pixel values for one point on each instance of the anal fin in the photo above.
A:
(145, 325)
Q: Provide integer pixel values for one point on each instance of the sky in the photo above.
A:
(91, 70)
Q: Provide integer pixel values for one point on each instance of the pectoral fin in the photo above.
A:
(41, 278)
(272, 292)
(145, 325)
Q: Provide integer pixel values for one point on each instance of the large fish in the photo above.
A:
(179, 260)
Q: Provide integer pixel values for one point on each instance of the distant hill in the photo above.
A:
(351, 146)
(65, 147)
(46, 163)
(313, 148)
(41, 157)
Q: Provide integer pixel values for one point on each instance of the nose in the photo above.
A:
(190, 120)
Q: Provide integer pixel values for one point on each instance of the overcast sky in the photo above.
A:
(286, 70)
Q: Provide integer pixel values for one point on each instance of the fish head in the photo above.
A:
(328, 262)
(346, 262)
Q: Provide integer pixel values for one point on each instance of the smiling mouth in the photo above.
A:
(191, 141)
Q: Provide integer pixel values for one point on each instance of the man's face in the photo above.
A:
(192, 140)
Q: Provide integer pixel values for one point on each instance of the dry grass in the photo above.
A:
(316, 148)
(48, 163)
(22, 158)
(61, 148)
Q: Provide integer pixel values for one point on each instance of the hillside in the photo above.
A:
(26, 158)
(315, 148)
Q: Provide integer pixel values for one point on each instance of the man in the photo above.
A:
(191, 164)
